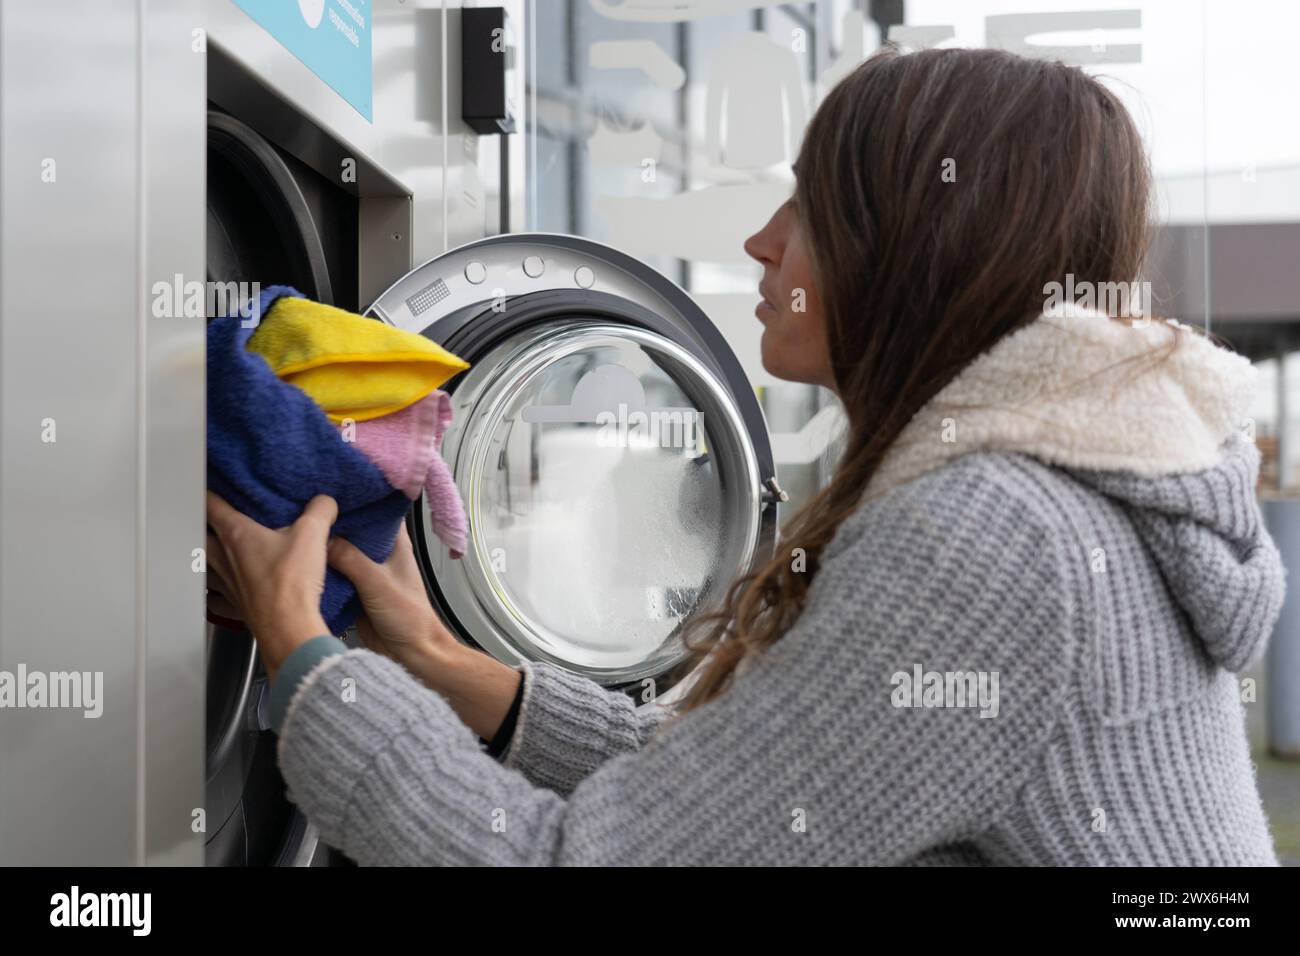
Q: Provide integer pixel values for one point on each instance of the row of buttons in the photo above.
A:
(476, 271)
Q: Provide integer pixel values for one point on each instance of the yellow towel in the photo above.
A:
(353, 367)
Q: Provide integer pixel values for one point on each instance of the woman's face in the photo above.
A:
(794, 333)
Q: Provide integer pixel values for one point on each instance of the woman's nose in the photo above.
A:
(759, 246)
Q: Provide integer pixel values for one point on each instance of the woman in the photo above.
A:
(1005, 633)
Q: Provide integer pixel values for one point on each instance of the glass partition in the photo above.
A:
(667, 129)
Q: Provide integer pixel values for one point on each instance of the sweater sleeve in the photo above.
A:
(297, 666)
(568, 726)
(506, 732)
(903, 710)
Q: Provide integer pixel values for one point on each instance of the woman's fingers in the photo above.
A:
(405, 567)
(402, 543)
(319, 516)
(217, 561)
(220, 575)
(356, 566)
(351, 562)
(220, 606)
(221, 599)
(221, 594)
(223, 518)
(366, 632)
(218, 586)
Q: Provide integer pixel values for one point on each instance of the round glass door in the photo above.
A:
(611, 489)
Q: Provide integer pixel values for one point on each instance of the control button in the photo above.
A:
(584, 276)
(533, 266)
(475, 272)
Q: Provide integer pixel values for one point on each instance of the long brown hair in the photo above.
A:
(919, 272)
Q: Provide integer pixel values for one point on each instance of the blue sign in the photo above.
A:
(332, 37)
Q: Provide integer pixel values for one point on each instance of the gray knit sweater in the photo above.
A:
(1094, 620)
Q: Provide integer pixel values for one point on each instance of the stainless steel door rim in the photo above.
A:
(584, 556)
(587, 553)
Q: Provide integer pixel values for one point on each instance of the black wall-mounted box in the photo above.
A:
(487, 57)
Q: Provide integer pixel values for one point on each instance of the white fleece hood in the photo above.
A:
(1078, 389)
(1160, 436)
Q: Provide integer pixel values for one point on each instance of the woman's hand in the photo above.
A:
(221, 608)
(398, 620)
(272, 579)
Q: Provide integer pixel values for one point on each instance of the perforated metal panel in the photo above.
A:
(429, 296)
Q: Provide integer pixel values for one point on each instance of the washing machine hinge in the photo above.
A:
(773, 491)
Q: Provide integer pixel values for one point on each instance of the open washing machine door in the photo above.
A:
(612, 456)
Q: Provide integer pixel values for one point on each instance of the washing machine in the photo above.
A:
(612, 457)
(611, 454)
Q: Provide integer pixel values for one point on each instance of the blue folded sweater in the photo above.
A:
(271, 449)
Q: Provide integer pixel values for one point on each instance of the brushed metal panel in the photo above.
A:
(69, 352)
(417, 129)
(173, 117)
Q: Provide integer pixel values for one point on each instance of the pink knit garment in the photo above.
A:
(405, 446)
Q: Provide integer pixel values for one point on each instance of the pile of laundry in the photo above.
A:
(305, 399)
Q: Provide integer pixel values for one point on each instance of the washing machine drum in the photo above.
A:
(612, 457)
(260, 228)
